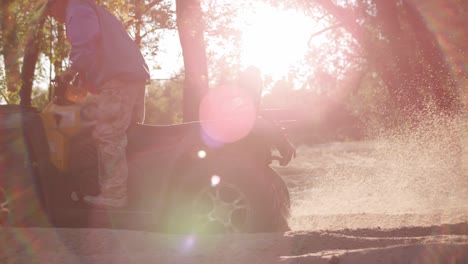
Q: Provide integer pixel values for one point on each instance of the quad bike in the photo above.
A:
(177, 181)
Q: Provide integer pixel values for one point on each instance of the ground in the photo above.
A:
(392, 200)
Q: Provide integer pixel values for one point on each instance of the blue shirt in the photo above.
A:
(101, 48)
(83, 34)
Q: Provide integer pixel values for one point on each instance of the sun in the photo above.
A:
(273, 40)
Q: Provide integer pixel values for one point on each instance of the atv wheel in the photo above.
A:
(223, 208)
(4, 207)
(235, 200)
(283, 201)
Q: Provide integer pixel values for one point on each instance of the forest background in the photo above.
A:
(379, 64)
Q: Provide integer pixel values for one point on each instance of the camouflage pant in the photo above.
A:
(118, 104)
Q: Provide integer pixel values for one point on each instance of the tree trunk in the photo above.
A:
(191, 28)
(10, 49)
(31, 56)
(139, 9)
(59, 53)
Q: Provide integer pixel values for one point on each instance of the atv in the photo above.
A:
(179, 181)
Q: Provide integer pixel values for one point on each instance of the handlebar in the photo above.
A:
(67, 93)
(283, 161)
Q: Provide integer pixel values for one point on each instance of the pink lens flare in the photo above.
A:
(227, 114)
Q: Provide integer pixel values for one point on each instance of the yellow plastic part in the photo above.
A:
(61, 123)
(76, 94)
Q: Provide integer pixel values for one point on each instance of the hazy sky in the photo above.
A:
(272, 40)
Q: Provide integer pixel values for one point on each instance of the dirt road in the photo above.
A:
(376, 185)
(446, 244)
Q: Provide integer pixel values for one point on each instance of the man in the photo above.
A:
(103, 52)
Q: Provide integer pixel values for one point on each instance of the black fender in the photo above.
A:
(23, 125)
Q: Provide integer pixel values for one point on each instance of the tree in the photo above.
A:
(26, 35)
(191, 27)
(31, 56)
(10, 43)
(15, 17)
(223, 39)
(400, 47)
(143, 19)
(164, 101)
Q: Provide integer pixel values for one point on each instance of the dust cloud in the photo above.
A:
(410, 177)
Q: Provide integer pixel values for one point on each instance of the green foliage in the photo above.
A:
(143, 19)
(40, 99)
(15, 19)
(6, 97)
(164, 102)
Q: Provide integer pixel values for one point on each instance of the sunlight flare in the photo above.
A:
(228, 114)
(201, 154)
(274, 39)
(215, 180)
